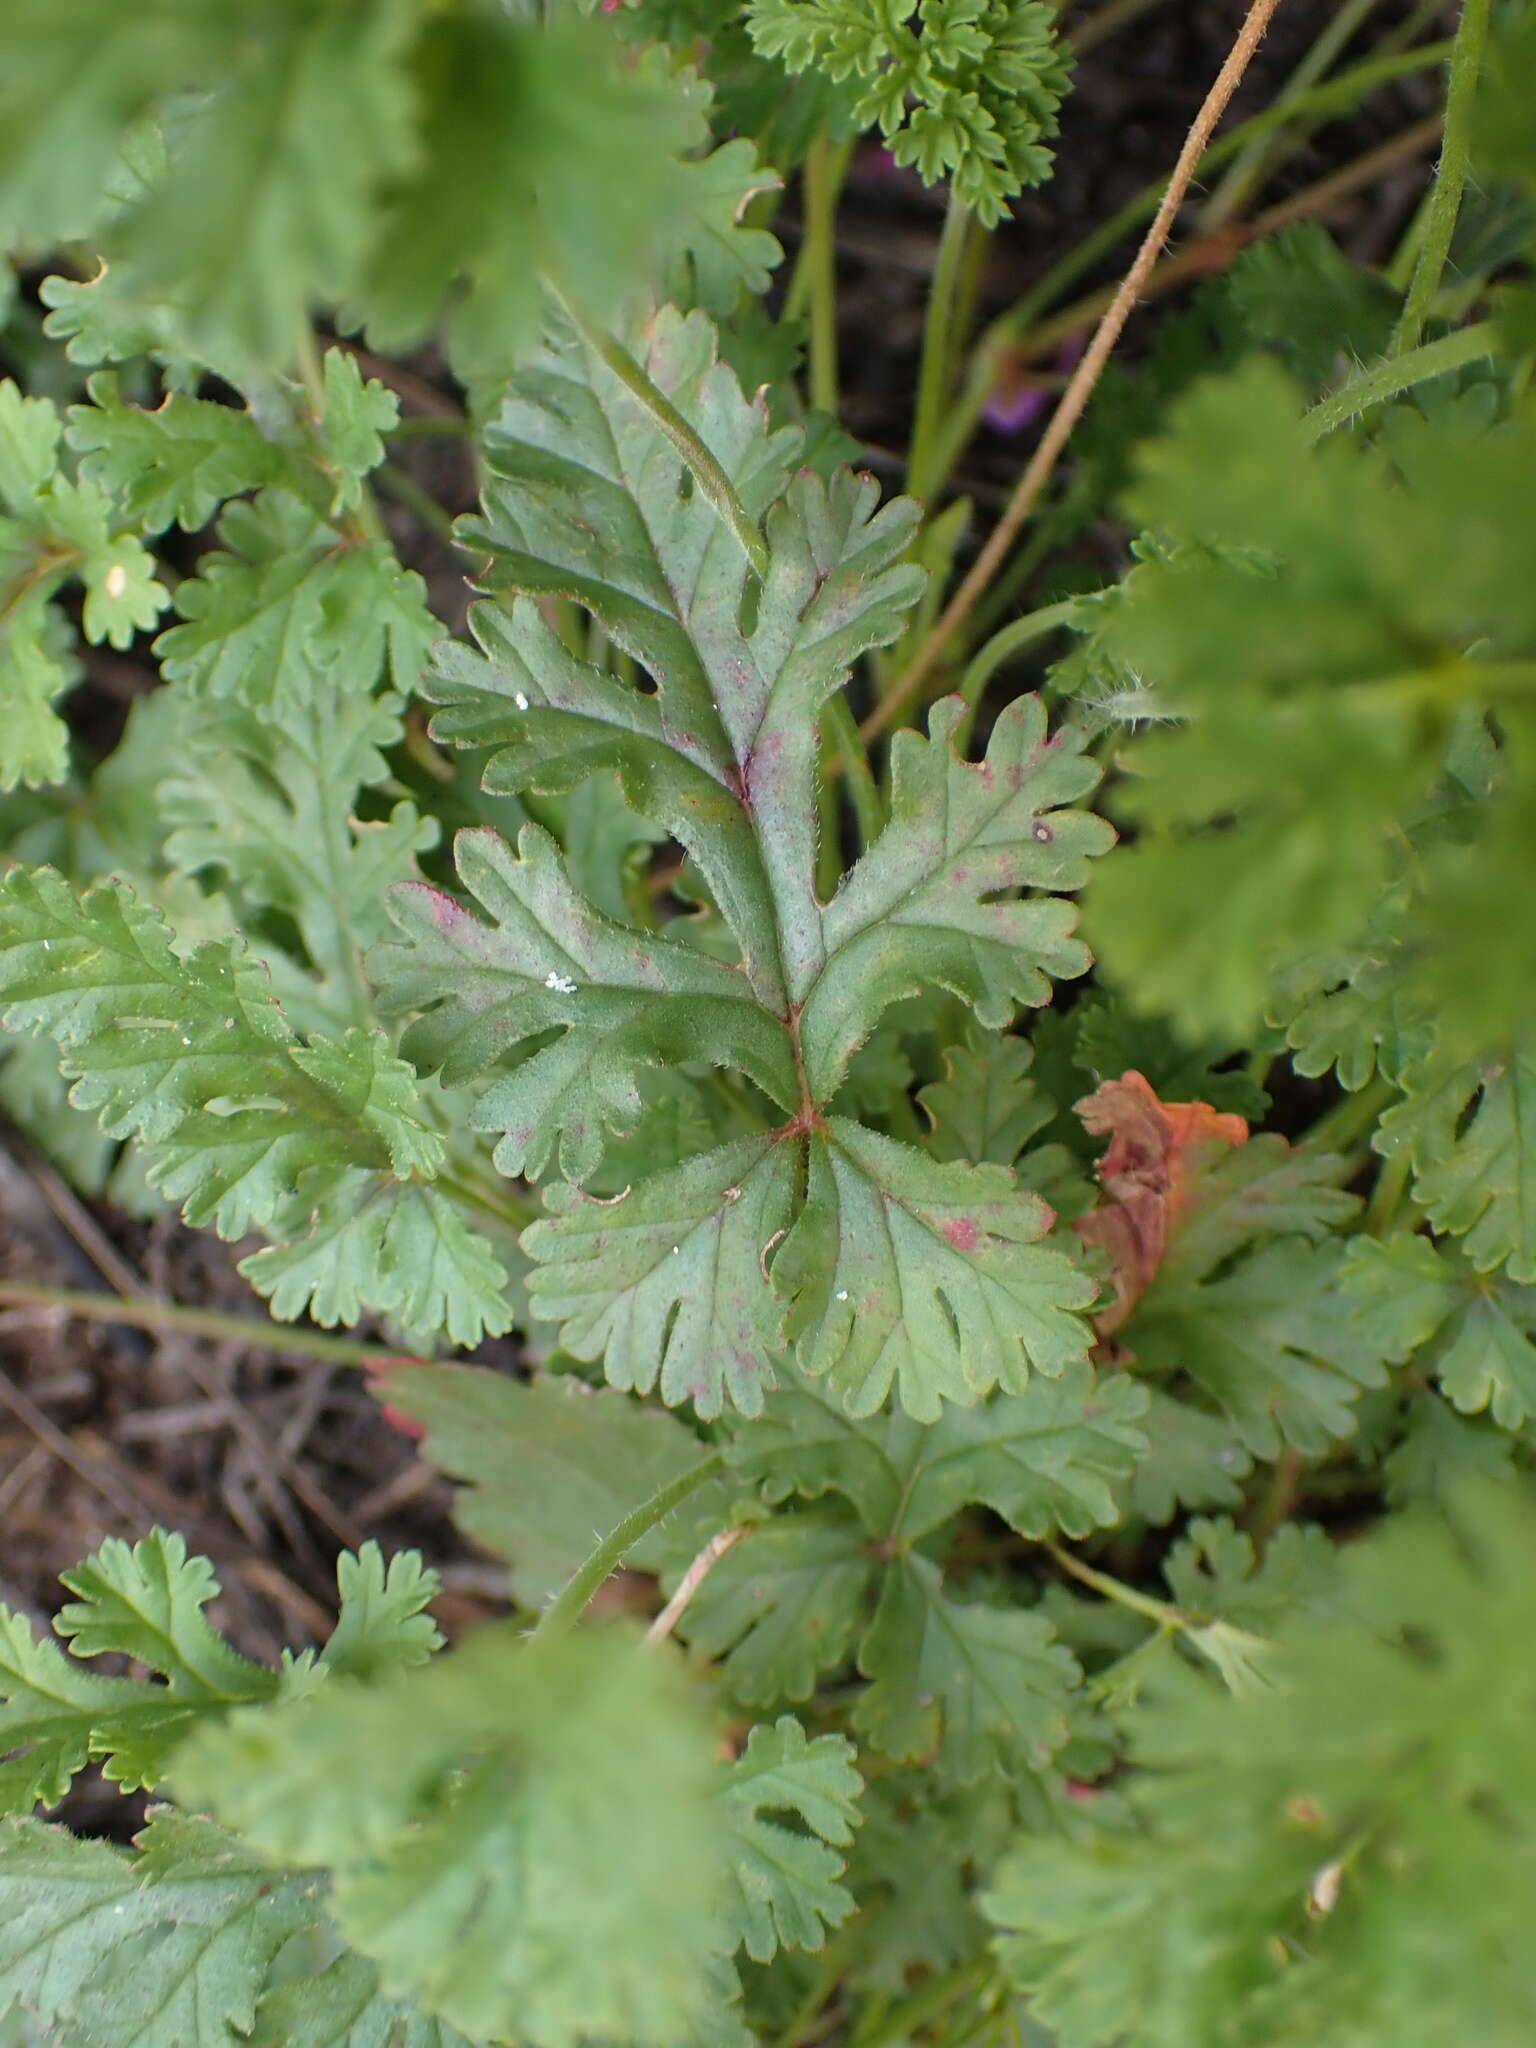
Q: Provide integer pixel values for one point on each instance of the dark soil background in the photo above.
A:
(271, 1464)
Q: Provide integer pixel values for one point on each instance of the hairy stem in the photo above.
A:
(1162, 1612)
(1451, 177)
(565, 1610)
(1386, 379)
(1079, 390)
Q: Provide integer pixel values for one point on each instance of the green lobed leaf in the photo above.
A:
(354, 1242)
(925, 1276)
(1469, 1135)
(981, 1688)
(782, 1606)
(190, 1054)
(1299, 1853)
(521, 1836)
(176, 464)
(621, 1000)
(1269, 1346)
(587, 498)
(383, 1625)
(291, 608)
(146, 1603)
(1047, 1458)
(665, 1283)
(987, 1106)
(271, 809)
(1475, 1332)
(342, 2007)
(931, 903)
(784, 1890)
(172, 1945)
(969, 91)
(1302, 603)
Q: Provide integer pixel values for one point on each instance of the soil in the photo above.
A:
(269, 1464)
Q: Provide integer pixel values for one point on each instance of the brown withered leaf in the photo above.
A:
(1145, 1179)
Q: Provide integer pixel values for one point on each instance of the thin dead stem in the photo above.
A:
(1080, 388)
(718, 1544)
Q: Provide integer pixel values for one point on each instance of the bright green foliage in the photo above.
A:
(146, 1602)
(471, 140)
(621, 999)
(923, 1276)
(520, 1835)
(1322, 616)
(1258, 1341)
(1476, 1332)
(665, 1283)
(815, 1588)
(785, 1606)
(1043, 1459)
(967, 91)
(1081, 1507)
(342, 2007)
(175, 465)
(784, 1890)
(269, 809)
(1470, 1139)
(1214, 1572)
(54, 527)
(986, 1107)
(1299, 1853)
(157, 1039)
(291, 604)
(81, 1921)
(986, 1686)
(192, 1056)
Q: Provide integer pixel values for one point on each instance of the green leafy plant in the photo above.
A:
(1060, 1377)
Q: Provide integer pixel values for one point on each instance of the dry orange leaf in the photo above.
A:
(1144, 1179)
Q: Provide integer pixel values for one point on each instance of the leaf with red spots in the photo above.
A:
(925, 1276)
(902, 1270)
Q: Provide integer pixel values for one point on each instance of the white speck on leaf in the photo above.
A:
(676, 1249)
(562, 984)
(842, 1294)
(520, 700)
(115, 582)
